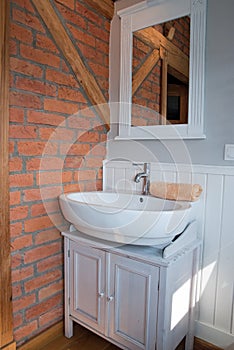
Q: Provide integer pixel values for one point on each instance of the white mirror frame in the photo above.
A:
(145, 14)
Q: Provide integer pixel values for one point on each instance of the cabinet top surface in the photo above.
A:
(149, 254)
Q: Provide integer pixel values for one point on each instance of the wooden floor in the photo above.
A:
(82, 340)
(86, 340)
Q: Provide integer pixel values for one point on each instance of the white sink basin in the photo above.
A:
(125, 218)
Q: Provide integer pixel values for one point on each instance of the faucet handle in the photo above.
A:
(147, 168)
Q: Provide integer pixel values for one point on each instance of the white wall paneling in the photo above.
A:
(215, 320)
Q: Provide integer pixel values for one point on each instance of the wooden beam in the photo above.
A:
(176, 58)
(179, 64)
(175, 73)
(6, 327)
(171, 33)
(149, 37)
(104, 7)
(144, 70)
(163, 55)
(65, 44)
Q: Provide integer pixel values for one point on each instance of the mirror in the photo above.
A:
(162, 69)
(160, 72)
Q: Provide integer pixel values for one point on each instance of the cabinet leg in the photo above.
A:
(68, 327)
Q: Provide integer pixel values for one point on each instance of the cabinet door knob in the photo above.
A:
(110, 298)
(101, 295)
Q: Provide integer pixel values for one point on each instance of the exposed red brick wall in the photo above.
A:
(56, 144)
(148, 94)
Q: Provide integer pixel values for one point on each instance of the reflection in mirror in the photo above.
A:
(160, 73)
(160, 69)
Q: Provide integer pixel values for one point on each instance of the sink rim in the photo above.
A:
(180, 205)
(124, 225)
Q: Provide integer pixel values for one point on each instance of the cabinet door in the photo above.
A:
(133, 296)
(88, 286)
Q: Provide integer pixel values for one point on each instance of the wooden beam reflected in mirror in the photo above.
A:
(160, 52)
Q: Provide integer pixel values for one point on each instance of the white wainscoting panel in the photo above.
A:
(215, 319)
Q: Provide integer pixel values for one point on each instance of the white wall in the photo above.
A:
(219, 99)
(216, 318)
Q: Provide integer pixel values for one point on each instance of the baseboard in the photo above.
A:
(11, 346)
(43, 338)
(213, 335)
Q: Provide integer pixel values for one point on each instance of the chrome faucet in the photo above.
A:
(146, 176)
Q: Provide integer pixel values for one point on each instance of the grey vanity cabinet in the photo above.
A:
(130, 295)
(113, 295)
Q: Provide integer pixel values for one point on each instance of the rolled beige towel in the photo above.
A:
(176, 191)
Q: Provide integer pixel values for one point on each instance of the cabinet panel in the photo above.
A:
(87, 285)
(133, 302)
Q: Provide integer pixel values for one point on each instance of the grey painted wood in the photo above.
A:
(131, 295)
(87, 282)
(133, 311)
